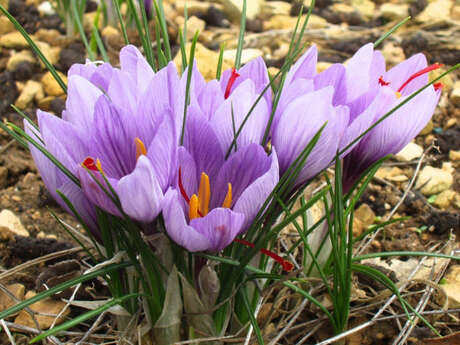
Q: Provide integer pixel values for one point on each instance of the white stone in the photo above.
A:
(12, 222)
(13, 40)
(46, 9)
(272, 8)
(394, 11)
(233, 9)
(17, 58)
(436, 11)
(410, 152)
(32, 90)
(194, 24)
(433, 180)
(365, 7)
(193, 7)
(455, 94)
(246, 55)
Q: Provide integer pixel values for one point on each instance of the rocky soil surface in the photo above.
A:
(422, 181)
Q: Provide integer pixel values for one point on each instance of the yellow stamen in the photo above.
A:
(204, 194)
(228, 198)
(193, 209)
(398, 94)
(99, 166)
(140, 148)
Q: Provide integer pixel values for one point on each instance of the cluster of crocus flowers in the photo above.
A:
(120, 136)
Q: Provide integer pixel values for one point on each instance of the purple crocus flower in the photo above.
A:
(377, 92)
(214, 199)
(115, 130)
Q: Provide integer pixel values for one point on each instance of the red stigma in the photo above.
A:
(230, 83)
(90, 164)
(438, 86)
(182, 190)
(181, 187)
(287, 266)
(419, 73)
(383, 82)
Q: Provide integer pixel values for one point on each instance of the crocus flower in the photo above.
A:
(378, 91)
(214, 199)
(114, 130)
(226, 102)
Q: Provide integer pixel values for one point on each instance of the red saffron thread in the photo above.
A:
(438, 86)
(383, 82)
(90, 164)
(419, 73)
(287, 266)
(181, 187)
(183, 192)
(230, 83)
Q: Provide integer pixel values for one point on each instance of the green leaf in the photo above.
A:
(239, 48)
(61, 287)
(82, 317)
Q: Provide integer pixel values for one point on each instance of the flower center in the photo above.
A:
(91, 164)
(199, 204)
(230, 83)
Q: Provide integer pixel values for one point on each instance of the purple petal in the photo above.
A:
(305, 67)
(220, 227)
(253, 197)
(62, 140)
(401, 72)
(122, 92)
(201, 142)
(162, 153)
(82, 97)
(95, 193)
(211, 98)
(238, 105)
(176, 225)
(334, 76)
(363, 71)
(134, 63)
(241, 169)
(140, 193)
(111, 140)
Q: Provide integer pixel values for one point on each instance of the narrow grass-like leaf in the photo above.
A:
(121, 21)
(77, 18)
(164, 30)
(391, 31)
(187, 86)
(82, 317)
(255, 326)
(61, 287)
(383, 279)
(239, 47)
(148, 49)
(142, 34)
(36, 50)
(100, 44)
(80, 220)
(183, 52)
(24, 137)
(220, 61)
(403, 253)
